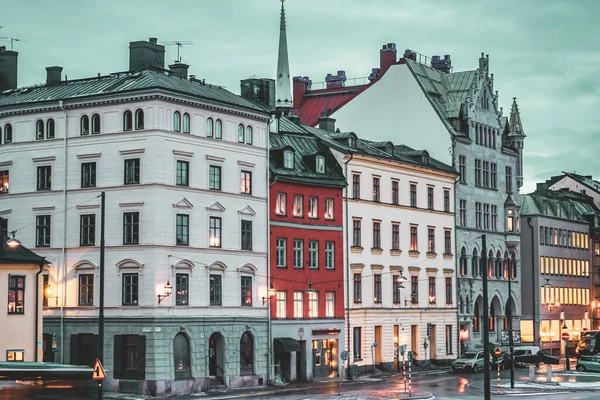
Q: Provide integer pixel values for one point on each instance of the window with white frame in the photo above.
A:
(313, 254)
(246, 286)
(328, 208)
(246, 182)
(182, 289)
(313, 207)
(298, 202)
(216, 290)
(281, 302)
(280, 204)
(298, 253)
(249, 135)
(313, 304)
(320, 164)
(280, 249)
(330, 304)
(329, 255)
(298, 304)
(86, 289)
(288, 159)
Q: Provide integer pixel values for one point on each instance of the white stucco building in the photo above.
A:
(184, 168)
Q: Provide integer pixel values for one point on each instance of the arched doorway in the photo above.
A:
(181, 356)
(216, 356)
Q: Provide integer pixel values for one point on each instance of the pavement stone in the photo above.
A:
(537, 387)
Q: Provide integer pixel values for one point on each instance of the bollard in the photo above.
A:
(531, 373)
(410, 377)
(549, 374)
(404, 372)
(498, 376)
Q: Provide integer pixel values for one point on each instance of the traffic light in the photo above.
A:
(429, 328)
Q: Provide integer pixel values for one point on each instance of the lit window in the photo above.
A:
(4, 178)
(313, 305)
(298, 304)
(246, 285)
(15, 355)
(182, 289)
(510, 221)
(313, 207)
(298, 201)
(328, 208)
(280, 204)
(281, 304)
(215, 232)
(288, 159)
(246, 182)
(414, 244)
(16, 294)
(330, 304)
(320, 164)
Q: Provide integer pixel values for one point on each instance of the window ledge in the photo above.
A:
(376, 250)
(431, 254)
(448, 256)
(414, 253)
(356, 249)
(395, 252)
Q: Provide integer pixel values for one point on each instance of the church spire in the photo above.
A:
(514, 123)
(283, 91)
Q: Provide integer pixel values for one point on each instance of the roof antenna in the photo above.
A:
(179, 44)
(12, 40)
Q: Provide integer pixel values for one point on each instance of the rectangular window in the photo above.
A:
(376, 234)
(494, 218)
(313, 254)
(15, 355)
(330, 255)
(486, 174)
(132, 171)
(280, 208)
(462, 168)
(477, 172)
(281, 304)
(87, 230)
(246, 182)
(478, 218)
(449, 339)
(330, 304)
(43, 231)
(395, 236)
(246, 240)
(432, 290)
(88, 174)
(313, 207)
(494, 175)
(131, 228)
(414, 239)
(298, 202)
(395, 193)
(413, 195)
(4, 182)
(16, 294)
(356, 233)
(44, 177)
(182, 236)
(298, 253)
(328, 208)
(462, 215)
(130, 289)
(446, 201)
(509, 179)
(216, 290)
(449, 291)
(214, 232)
(86, 289)
(182, 287)
(356, 186)
(298, 304)
(396, 289)
(357, 343)
(376, 189)
(447, 241)
(377, 288)
(430, 198)
(246, 286)
(431, 240)
(357, 288)
(182, 176)
(313, 305)
(486, 216)
(45, 287)
(414, 290)
(214, 178)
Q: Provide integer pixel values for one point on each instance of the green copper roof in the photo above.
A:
(558, 203)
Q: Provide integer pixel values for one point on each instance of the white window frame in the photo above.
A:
(330, 304)
(281, 304)
(329, 204)
(288, 159)
(320, 164)
(280, 204)
(299, 304)
(313, 304)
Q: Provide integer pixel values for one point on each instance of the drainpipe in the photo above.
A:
(269, 328)
(347, 265)
(533, 290)
(64, 241)
(37, 309)
(459, 256)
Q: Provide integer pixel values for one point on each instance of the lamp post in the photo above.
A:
(486, 322)
(101, 308)
(511, 343)
(565, 328)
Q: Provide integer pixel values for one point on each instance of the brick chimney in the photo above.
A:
(444, 65)
(374, 74)
(179, 69)
(301, 85)
(144, 55)
(8, 69)
(387, 56)
(326, 123)
(337, 80)
(53, 75)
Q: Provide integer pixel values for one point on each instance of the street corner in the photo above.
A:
(536, 387)
(392, 395)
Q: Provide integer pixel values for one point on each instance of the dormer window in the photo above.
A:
(425, 158)
(320, 164)
(389, 149)
(352, 141)
(288, 159)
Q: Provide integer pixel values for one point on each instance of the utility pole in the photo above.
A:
(486, 322)
(510, 326)
(101, 310)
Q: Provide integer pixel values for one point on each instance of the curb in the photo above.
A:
(532, 391)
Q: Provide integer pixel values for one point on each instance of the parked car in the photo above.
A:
(588, 363)
(470, 361)
(589, 344)
(524, 351)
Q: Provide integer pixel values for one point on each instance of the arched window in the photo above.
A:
(177, 121)
(139, 119)
(8, 133)
(39, 130)
(85, 125)
(95, 124)
(127, 121)
(181, 355)
(246, 354)
(248, 135)
(498, 264)
(476, 317)
(490, 264)
(240, 133)
(218, 129)
(476, 133)
(513, 265)
(209, 128)
(461, 305)
(492, 317)
(50, 129)
(463, 262)
(186, 123)
(475, 264)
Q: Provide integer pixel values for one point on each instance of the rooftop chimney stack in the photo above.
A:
(326, 123)
(444, 65)
(301, 85)
(179, 69)
(387, 56)
(8, 69)
(374, 74)
(336, 81)
(148, 54)
(53, 75)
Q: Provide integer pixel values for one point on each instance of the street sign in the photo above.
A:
(565, 336)
(98, 373)
(344, 355)
(410, 356)
(497, 352)
(402, 349)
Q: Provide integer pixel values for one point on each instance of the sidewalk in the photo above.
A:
(525, 387)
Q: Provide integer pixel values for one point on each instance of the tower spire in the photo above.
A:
(514, 123)
(283, 88)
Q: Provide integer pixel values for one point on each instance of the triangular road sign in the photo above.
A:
(98, 374)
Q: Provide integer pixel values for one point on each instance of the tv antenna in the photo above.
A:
(179, 44)
(12, 40)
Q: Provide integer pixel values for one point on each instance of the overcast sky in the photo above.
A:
(544, 52)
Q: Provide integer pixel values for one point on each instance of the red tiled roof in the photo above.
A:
(317, 101)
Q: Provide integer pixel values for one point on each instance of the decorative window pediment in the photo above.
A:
(216, 206)
(84, 264)
(247, 210)
(217, 266)
(183, 203)
(183, 264)
(247, 269)
(129, 263)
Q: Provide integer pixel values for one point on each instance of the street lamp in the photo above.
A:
(168, 289)
(567, 365)
(13, 242)
(270, 295)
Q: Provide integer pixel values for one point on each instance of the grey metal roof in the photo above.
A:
(18, 255)
(558, 203)
(127, 82)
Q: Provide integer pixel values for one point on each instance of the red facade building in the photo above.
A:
(306, 251)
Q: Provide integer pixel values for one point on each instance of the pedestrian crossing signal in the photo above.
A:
(98, 373)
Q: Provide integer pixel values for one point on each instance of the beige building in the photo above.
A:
(20, 302)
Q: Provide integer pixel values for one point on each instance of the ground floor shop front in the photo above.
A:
(167, 355)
